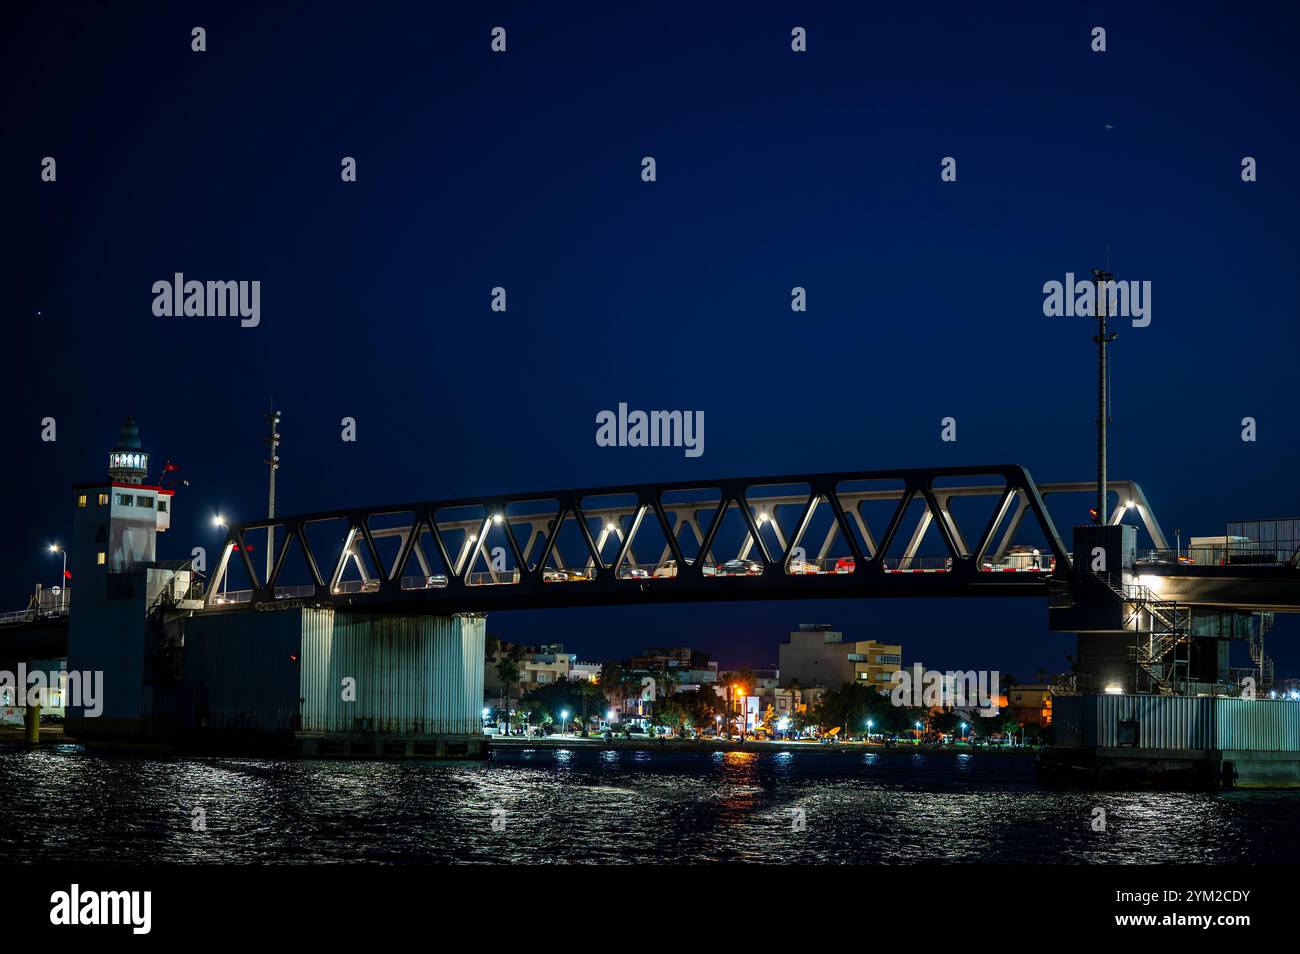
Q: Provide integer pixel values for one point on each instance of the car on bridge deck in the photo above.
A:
(845, 565)
(1022, 559)
(740, 567)
(556, 575)
(632, 573)
(804, 568)
(669, 569)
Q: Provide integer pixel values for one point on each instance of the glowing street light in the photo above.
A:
(55, 548)
(869, 725)
(220, 521)
(564, 721)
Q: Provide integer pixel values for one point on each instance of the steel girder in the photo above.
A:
(868, 575)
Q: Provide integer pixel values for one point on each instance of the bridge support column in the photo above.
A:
(324, 681)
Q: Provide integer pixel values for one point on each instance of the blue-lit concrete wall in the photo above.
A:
(320, 671)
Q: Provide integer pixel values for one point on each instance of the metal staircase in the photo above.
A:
(1263, 662)
(1163, 652)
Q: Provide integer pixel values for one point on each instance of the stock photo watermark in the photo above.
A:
(82, 689)
(179, 298)
(626, 428)
(917, 687)
(1124, 299)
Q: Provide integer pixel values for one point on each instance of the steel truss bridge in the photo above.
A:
(849, 534)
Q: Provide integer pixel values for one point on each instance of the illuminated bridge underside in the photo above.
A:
(1256, 589)
(447, 543)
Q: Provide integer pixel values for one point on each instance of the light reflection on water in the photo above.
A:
(621, 806)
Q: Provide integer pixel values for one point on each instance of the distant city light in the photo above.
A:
(1114, 690)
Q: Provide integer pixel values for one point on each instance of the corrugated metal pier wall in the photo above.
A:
(284, 672)
(1176, 723)
(413, 675)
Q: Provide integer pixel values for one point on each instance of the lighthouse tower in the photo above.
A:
(112, 626)
(127, 462)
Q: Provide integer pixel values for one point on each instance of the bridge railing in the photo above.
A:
(233, 596)
(1235, 554)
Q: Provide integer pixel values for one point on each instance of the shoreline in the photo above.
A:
(694, 745)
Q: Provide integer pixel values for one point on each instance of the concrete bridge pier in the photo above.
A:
(327, 682)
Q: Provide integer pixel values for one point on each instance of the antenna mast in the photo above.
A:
(273, 462)
(1101, 277)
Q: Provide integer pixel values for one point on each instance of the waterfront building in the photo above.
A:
(1030, 705)
(689, 666)
(817, 655)
(585, 672)
(538, 666)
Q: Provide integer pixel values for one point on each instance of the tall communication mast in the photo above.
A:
(1101, 278)
(273, 462)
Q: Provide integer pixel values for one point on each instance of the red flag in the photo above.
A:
(67, 574)
(169, 466)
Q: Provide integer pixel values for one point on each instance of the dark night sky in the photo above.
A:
(775, 169)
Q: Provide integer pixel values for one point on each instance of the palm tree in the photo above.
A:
(587, 691)
(611, 683)
(508, 673)
(795, 687)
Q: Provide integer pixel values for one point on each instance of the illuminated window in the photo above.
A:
(102, 558)
(103, 500)
(81, 500)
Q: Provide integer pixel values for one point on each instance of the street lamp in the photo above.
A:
(869, 725)
(963, 730)
(918, 732)
(564, 721)
(219, 521)
(740, 712)
(55, 548)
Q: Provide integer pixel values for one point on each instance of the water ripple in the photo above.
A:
(582, 805)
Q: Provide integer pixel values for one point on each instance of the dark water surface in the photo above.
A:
(614, 806)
